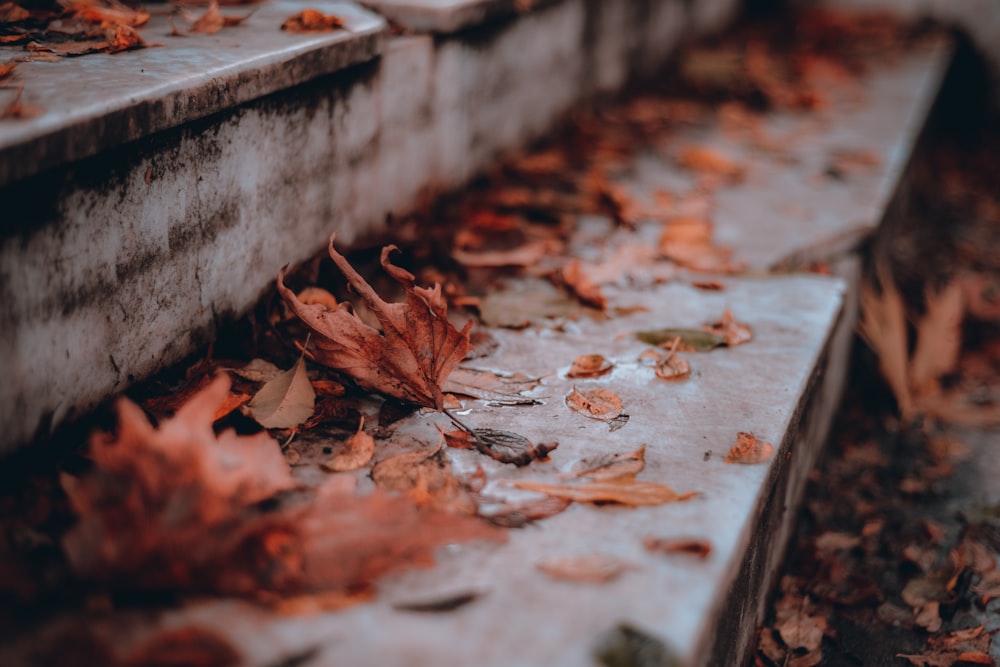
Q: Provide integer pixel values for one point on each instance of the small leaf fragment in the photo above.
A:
(357, 452)
(286, 401)
(594, 568)
(700, 548)
(732, 332)
(749, 450)
(590, 366)
(439, 605)
(600, 404)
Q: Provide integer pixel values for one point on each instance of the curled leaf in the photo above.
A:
(601, 404)
(504, 446)
(590, 366)
(409, 358)
(749, 450)
(698, 548)
(732, 332)
(611, 466)
(356, 453)
(595, 568)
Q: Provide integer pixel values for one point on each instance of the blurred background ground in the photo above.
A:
(894, 559)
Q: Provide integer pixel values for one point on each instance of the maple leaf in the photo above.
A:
(157, 494)
(411, 356)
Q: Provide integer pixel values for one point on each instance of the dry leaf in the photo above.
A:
(439, 605)
(691, 340)
(107, 13)
(749, 450)
(285, 401)
(257, 370)
(623, 490)
(7, 68)
(606, 467)
(732, 332)
(706, 160)
(688, 241)
(939, 339)
(592, 569)
(590, 366)
(526, 254)
(504, 446)
(669, 366)
(601, 404)
(173, 506)
(800, 631)
(17, 108)
(311, 20)
(413, 354)
(573, 277)
(213, 20)
(518, 515)
(356, 452)
(427, 478)
(694, 547)
(883, 327)
(312, 296)
(490, 387)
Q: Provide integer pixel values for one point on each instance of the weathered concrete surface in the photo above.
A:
(116, 265)
(100, 101)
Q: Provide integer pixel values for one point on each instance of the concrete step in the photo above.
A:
(809, 187)
(154, 198)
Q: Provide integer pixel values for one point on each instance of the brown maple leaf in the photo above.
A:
(411, 356)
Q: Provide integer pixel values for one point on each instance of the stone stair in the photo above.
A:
(148, 207)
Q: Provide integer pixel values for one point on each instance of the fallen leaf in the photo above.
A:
(749, 450)
(577, 282)
(7, 68)
(355, 453)
(928, 616)
(688, 241)
(213, 20)
(526, 254)
(939, 339)
(698, 548)
(836, 541)
(490, 387)
(189, 645)
(606, 467)
(623, 490)
(107, 13)
(883, 327)
(600, 404)
(114, 38)
(732, 332)
(504, 446)
(517, 515)
(312, 296)
(257, 370)
(707, 160)
(426, 477)
(17, 109)
(668, 366)
(439, 605)
(692, 340)
(311, 20)
(285, 401)
(592, 569)
(801, 631)
(174, 506)
(413, 354)
(590, 366)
